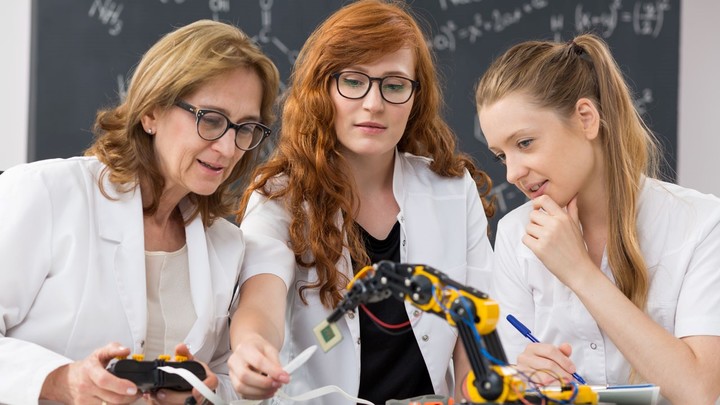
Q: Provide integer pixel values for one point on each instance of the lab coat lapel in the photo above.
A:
(201, 291)
(353, 321)
(120, 223)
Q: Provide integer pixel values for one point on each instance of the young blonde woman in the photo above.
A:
(615, 271)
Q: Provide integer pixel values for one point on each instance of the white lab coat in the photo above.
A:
(679, 233)
(442, 224)
(73, 275)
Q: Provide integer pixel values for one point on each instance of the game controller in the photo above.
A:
(147, 376)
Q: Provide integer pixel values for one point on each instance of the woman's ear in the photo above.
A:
(589, 117)
(149, 122)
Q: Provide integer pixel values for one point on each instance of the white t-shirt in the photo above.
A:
(679, 231)
(171, 314)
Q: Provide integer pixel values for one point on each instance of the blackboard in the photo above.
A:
(83, 52)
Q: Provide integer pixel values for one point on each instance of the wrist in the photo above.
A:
(53, 387)
(585, 277)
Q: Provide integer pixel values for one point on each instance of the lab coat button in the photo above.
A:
(351, 315)
(425, 338)
(416, 313)
(593, 346)
(358, 341)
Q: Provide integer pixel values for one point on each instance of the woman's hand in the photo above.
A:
(255, 370)
(545, 363)
(171, 397)
(555, 236)
(88, 382)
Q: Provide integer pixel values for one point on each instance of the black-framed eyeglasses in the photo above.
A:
(393, 89)
(212, 125)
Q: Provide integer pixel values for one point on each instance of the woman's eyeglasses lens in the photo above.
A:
(394, 89)
(212, 125)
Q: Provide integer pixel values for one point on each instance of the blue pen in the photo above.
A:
(526, 332)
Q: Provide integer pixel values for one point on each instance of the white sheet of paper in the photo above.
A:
(642, 394)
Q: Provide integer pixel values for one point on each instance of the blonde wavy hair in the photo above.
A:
(556, 75)
(318, 187)
(177, 65)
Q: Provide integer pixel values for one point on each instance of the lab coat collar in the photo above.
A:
(398, 178)
(122, 243)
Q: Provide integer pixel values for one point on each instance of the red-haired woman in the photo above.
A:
(366, 169)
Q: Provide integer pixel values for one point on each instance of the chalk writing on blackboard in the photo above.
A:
(494, 21)
(265, 35)
(219, 6)
(646, 18)
(646, 97)
(216, 7)
(108, 13)
(121, 87)
(444, 3)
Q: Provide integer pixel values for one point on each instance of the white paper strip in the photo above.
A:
(293, 365)
(195, 382)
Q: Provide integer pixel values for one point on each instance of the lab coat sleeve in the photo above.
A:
(26, 251)
(266, 231)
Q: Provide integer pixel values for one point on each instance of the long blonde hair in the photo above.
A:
(308, 154)
(556, 75)
(177, 65)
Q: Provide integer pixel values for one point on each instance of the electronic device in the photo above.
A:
(147, 376)
(491, 379)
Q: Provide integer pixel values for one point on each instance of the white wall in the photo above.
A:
(699, 95)
(14, 81)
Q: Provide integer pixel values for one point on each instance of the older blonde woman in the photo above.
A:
(126, 250)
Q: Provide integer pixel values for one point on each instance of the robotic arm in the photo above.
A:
(473, 313)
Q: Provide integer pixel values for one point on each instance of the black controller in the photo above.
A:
(147, 376)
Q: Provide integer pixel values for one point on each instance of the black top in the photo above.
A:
(391, 364)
